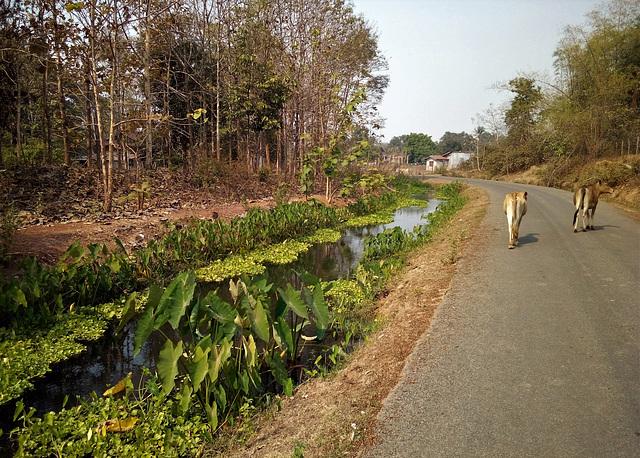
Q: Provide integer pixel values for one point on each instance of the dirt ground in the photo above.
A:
(49, 241)
(335, 416)
(57, 206)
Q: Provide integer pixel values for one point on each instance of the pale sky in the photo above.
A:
(445, 55)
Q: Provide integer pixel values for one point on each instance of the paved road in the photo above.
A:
(534, 352)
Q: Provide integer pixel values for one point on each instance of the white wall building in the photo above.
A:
(456, 158)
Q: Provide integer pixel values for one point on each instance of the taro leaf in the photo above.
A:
(120, 389)
(234, 289)
(243, 378)
(75, 250)
(261, 284)
(128, 312)
(199, 366)
(307, 278)
(257, 316)
(143, 329)
(320, 309)
(18, 296)
(260, 322)
(168, 364)
(283, 336)
(294, 300)
(219, 354)
(185, 398)
(220, 396)
(155, 294)
(176, 299)
(114, 265)
(280, 373)
(250, 351)
(193, 317)
(19, 409)
(281, 307)
(121, 246)
(221, 311)
(212, 415)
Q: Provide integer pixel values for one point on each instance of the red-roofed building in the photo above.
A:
(436, 162)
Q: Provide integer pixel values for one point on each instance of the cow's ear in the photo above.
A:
(525, 195)
(599, 182)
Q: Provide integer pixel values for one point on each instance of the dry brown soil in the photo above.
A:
(335, 416)
(49, 241)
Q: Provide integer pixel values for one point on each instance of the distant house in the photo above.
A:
(456, 158)
(436, 162)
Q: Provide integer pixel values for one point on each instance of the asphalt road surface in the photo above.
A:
(535, 351)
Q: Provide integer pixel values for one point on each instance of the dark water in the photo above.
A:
(108, 361)
(331, 261)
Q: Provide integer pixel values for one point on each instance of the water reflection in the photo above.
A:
(102, 365)
(331, 261)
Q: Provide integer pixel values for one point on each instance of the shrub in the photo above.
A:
(9, 223)
(263, 173)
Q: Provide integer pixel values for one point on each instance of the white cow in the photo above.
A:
(515, 207)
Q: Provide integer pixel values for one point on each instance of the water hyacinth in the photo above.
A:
(371, 220)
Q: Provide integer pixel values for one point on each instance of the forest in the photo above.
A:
(286, 86)
(147, 84)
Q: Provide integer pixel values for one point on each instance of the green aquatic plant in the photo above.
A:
(224, 348)
(371, 220)
(146, 424)
(253, 263)
(230, 267)
(29, 355)
(323, 236)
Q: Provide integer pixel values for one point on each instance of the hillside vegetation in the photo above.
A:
(621, 173)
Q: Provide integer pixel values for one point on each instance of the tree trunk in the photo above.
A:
(278, 150)
(189, 124)
(46, 118)
(89, 121)
(18, 121)
(248, 148)
(238, 141)
(218, 88)
(94, 76)
(108, 189)
(63, 111)
(147, 89)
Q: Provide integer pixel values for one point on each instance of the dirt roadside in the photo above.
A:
(335, 416)
(48, 242)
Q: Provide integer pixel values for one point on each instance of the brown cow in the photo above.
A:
(586, 198)
(515, 207)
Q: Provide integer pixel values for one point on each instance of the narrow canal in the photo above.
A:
(106, 362)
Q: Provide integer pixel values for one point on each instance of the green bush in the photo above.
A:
(9, 223)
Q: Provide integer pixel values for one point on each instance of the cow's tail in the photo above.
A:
(514, 214)
(579, 203)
